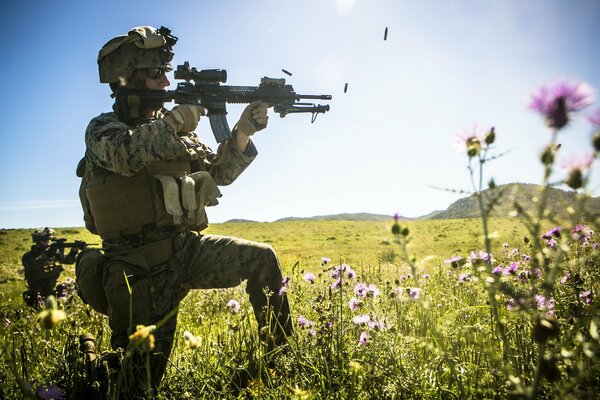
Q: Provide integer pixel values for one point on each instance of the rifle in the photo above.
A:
(204, 88)
(62, 244)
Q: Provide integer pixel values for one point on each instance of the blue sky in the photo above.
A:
(445, 67)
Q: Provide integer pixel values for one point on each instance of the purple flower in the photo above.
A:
(372, 290)
(304, 323)
(544, 304)
(565, 278)
(471, 141)
(282, 290)
(396, 217)
(464, 277)
(581, 232)
(364, 338)
(309, 277)
(361, 290)
(586, 296)
(556, 100)
(337, 284)
(554, 232)
(414, 293)
(361, 319)
(338, 271)
(325, 260)
(312, 333)
(455, 261)
(477, 257)
(354, 303)
(497, 270)
(512, 268)
(425, 276)
(234, 306)
(594, 118)
(50, 392)
(551, 243)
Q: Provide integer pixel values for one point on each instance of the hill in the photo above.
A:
(521, 193)
(342, 217)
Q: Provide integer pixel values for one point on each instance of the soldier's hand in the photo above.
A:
(185, 117)
(253, 119)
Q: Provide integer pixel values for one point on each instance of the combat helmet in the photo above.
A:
(40, 235)
(143, 47)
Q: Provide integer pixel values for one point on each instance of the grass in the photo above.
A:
(441, 343)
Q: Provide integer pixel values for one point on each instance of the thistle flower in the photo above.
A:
(361, 290)
(234, 306)
(361, 319)
(586, 296)
(576, 168)
(455, 261)
(464, 277)
(143, 336)
(471, 141)
(325, 260)
(305, 323)
(497, 270)
(372, 290)
(354, 303)
(554, 232)
(309, 277)
(581, 232)
(363, 340)
(557, 100)
(414, 293)
(190, 340)
(477, 257)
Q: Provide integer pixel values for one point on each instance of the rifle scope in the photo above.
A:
(192, 74)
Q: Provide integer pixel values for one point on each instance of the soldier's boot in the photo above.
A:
(97, 380)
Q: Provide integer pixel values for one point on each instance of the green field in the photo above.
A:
(433, 335)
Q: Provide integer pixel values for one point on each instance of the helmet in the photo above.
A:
(45, 234)
(143, 47)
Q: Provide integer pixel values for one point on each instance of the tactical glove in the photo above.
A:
(253, 119)
(185, 117)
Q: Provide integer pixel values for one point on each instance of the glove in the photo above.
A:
(184, 118)
(253, 119)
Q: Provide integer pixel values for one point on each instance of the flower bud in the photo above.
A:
(547, 157)
(396, 228)
(473, 146)
(491, 136)
(596, 140)
(575, 179)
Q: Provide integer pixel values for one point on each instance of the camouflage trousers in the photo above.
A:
(199, 262)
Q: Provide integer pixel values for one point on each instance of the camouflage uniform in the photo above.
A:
(193, 261)
(42, 270)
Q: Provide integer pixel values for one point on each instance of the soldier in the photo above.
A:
(43, 265)
(147, 178)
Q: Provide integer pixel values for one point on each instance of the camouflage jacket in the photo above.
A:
(43, 267)
(123, 149)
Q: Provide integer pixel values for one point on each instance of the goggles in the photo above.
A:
(155, 73)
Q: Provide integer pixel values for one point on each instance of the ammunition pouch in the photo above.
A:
(122, 206)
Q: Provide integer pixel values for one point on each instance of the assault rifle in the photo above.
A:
(62, 244)
(204, 88)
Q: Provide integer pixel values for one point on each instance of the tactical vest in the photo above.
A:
(116, 206)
